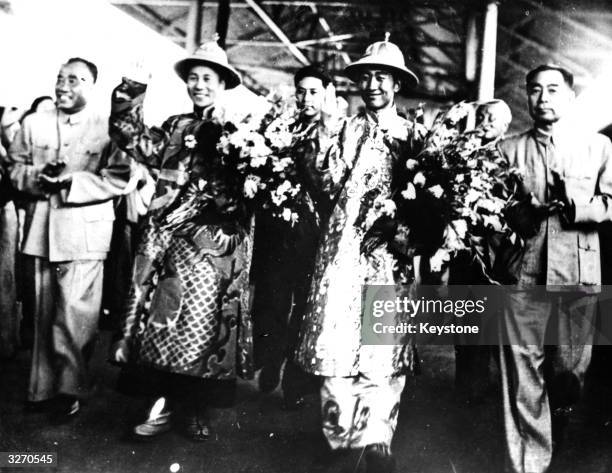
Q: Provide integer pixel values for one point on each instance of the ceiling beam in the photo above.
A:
(588, 31)
(153, 3)
(547, 51)
(280, 34)
(327, 28)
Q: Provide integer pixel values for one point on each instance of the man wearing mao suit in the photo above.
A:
(566, 192)
(61, 160)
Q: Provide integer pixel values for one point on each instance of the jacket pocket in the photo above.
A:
(43, 154)
(98, 226)
(580, 188)
(588, 255)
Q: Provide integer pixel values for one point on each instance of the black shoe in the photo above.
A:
(38, 407)
(269, 378)
(379, 459)
(66, 410)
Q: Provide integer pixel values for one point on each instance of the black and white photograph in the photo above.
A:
(306, 236)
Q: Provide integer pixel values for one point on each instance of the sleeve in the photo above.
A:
(128, 130)
(599, 207)
(322, 166)
(20, 166)
(111, 179)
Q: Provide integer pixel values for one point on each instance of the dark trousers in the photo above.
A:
(283, 262)
(188, 393)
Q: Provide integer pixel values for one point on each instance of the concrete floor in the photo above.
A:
(436, 433)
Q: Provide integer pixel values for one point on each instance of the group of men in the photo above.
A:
(63, 160)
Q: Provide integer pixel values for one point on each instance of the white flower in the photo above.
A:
(287, 214)
(285, 187)
(437, 191)
(460, 227)
(411, 164)
(452, 240)
(279, 195)
(438, 259)
(458, 111)
(493, 206)
(472, 196)
(387, 207)
(257, 161)
(493, 222)
(419, 179)
(459, 178)
(251, 185)
(190, 142)
(410, 192)
(223, 146)
(280, 165)
(279, 138)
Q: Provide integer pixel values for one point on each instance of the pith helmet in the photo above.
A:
(210, 54)
(384, 55)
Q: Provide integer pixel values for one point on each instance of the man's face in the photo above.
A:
(492, 120)
(378, 88)
(204, 85)
(309, 94)
(73, 87)
(548, 96)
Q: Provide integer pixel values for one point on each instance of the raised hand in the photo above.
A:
(138, 72)
(329, 109)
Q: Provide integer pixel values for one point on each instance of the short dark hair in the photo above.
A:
(568, 77)
(312, 70)
(90, 65)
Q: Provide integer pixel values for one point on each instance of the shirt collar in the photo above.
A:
(556, 137)
(384, 118)
(72, 118)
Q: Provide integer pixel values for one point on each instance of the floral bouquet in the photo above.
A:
(238, 167)
(263, 156)
(456, 191)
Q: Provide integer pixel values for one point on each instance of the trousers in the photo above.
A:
(537, 375)
(68, 298)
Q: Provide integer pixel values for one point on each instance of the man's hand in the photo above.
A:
(229, 242)
(525, 216)
(120, 352)
(53, 169)
(52, 185)
(330, 112)
(567, 207)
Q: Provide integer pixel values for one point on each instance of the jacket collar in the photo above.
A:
(72, 118)
(384, 118)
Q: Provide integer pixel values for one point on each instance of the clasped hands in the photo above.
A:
(50, 181)
(526, 215)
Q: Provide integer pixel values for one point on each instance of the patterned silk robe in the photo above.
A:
(359, 166)
(188, 309)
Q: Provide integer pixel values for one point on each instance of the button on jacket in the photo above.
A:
(74, 224)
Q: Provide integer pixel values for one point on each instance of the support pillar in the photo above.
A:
(486, 84)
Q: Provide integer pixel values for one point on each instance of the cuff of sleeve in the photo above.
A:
(584, 214)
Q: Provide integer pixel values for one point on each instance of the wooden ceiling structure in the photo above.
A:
(444, 41)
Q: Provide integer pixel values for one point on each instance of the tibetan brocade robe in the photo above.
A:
(188, 308)
(360, 165)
